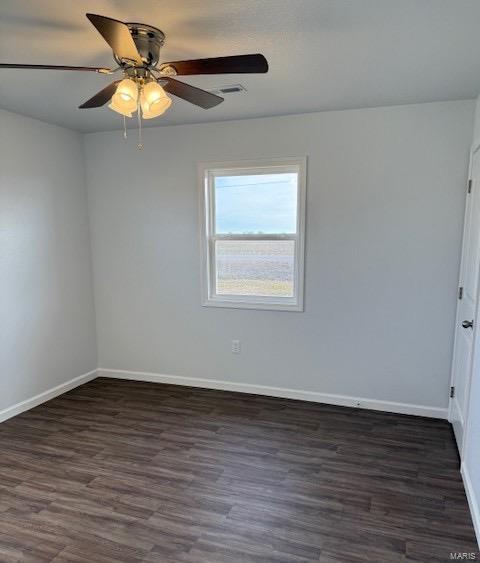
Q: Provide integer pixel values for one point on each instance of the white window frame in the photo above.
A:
(207, 172)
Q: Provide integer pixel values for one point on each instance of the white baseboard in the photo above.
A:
(473, 501)
(313, 396)
(46, 395)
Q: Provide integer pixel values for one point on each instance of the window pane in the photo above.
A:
(264, 268)
(256, 204)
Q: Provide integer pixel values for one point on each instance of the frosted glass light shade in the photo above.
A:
(119, 110)
(154, 100)
(125, 99)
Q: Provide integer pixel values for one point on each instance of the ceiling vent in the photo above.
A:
(230, 89)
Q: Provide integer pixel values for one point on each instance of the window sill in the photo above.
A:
(253, 304)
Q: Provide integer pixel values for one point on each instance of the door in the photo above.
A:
(467, 304)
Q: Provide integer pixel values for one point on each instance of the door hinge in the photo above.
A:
(452, 392)
(460, 292)
(469, 186)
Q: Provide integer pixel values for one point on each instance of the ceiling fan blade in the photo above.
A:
(117, 35)
(56, 67)
(102, 97)
(190, 93)
(219, 65)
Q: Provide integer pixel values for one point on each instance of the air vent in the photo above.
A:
(230, 89)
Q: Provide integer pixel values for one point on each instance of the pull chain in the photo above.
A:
(139, 117)
(124, 128)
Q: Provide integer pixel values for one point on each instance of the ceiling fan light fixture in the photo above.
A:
(125, 99)
(153, 100)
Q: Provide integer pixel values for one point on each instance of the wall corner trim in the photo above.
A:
(473, 501)
(313, 396)
(18, 408)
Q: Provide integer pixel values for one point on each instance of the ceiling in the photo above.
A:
(323, 54)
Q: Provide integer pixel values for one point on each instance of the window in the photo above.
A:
(253, 233)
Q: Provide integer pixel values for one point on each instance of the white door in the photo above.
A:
(467, 304)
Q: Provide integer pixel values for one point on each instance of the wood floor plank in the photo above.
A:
(121, 471)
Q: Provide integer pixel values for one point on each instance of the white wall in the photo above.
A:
(385, 197)
(47, 331)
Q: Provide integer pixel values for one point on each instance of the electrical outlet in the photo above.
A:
(235, 346)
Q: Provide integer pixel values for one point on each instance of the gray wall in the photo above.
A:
(385, 199)
(47, 333)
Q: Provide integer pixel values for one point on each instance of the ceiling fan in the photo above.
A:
(136, 50)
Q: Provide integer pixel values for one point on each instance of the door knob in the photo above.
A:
(467, 324)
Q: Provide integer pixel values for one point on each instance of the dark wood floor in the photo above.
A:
(120, 471)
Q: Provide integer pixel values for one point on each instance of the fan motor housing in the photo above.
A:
(148, 40)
